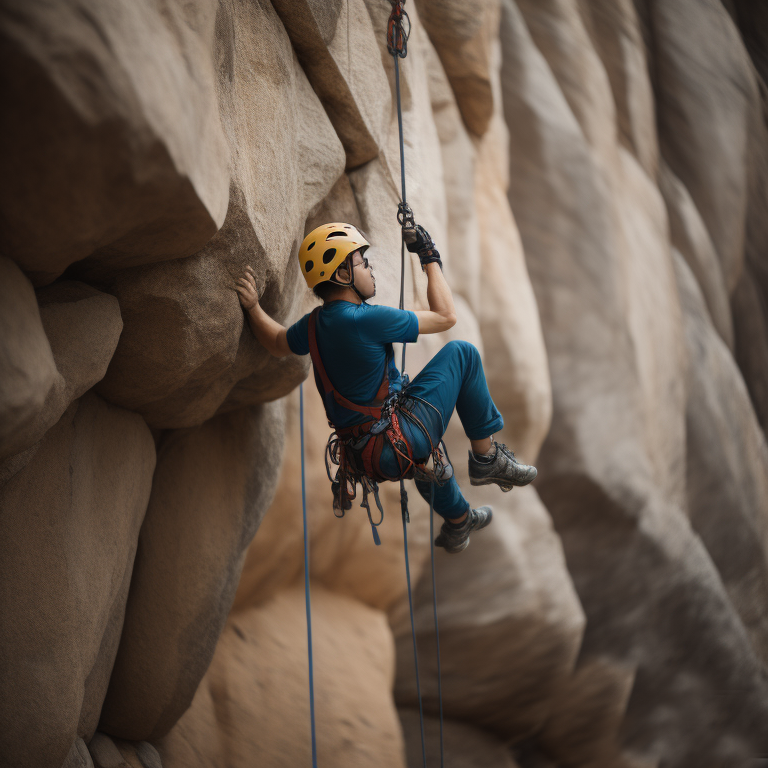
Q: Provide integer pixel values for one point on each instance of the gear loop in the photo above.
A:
(398, 29)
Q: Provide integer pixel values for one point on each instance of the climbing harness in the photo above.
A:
(356, 450)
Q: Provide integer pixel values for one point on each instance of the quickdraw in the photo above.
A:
(398, 29)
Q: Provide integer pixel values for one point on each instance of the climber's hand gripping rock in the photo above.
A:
(270, 333)
(246, 289)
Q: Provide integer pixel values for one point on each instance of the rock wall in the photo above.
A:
(594, 173)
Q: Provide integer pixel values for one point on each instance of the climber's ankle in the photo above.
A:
(480, 447)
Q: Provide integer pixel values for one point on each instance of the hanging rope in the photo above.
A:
(434, 609)
(306, 582)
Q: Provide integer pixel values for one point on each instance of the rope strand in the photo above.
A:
(306, 582)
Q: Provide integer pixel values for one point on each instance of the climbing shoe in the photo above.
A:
(455, 538)
(503, 469)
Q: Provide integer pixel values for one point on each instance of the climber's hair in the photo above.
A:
(325, 290)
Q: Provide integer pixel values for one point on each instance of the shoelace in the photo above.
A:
(503, 448)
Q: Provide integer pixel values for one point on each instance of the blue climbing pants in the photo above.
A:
(454, 378)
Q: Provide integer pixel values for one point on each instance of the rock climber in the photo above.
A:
(389, 428)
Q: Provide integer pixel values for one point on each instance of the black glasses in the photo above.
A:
(363, 263)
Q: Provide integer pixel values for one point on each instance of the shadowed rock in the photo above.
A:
(212, 485)
(69, 524)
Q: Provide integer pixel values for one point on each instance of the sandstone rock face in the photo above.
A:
(594, 173)
(82, 326)
(509, 587)
(253, 676)
(463, 745)
(624, 426)
(28, 368)
(128, 158)
(218, 478)
(66, 569)
(338, 50)
(464, 34)
(180, 376)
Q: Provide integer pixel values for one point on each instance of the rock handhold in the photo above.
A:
(27, 368)
(82, 326)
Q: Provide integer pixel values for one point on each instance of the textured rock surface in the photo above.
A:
(251, 696)
(184, 345)
(65, 569)
(82, 326)
(617, 449)
(594, 173)
(464, 34)
(128, 157)
(335, 43)
(463, 745)
(510, 623)
(28, 367)
(211, 488)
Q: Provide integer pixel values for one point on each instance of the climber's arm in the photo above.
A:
(442, 313)
(270, 334)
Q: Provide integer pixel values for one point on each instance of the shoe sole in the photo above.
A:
(462, 547)
(494, 481)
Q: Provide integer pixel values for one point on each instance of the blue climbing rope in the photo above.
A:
(434, 609)
(306, 582)
(397, 38)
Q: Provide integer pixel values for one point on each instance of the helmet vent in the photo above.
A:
(308, 266)
(328, 255)
(311, 246)
(337, 234)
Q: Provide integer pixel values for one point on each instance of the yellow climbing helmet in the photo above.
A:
(325, 248)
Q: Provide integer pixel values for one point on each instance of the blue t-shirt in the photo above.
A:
(355, 344)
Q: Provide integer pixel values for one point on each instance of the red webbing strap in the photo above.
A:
(314, 352)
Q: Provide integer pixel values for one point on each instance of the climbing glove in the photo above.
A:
(417, 240)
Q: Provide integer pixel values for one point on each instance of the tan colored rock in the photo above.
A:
(463, 745)
(611, 472)
(459, 158)
(82, 326)
(750, 318)
(27, 368)
(70, 521)
(516, 364)
(210, 490)
(707, 105)
(181, 376)
(335, 43)
(510, 621)
(113, 142)
(727, 468)
(585, 724)
(255, 694)
(559, 31)
(615, 32)
(689, 235)
(463, 35)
